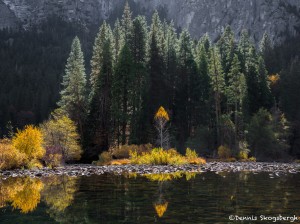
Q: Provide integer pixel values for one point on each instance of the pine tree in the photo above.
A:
(235, 92)
(171, 59)
(267, 53)
(205, 41)
(100, 102)
(236, 85)
(205, 87)
(156, 93)
(258, 90)
(73, 96)
(244, 49)
(118, 40)
(218, 85)
(187, 90)
(226, 46)
(103, 35)
(253, 90)
(127, 24)
(139, 49)
(122, 93)
(266, 98)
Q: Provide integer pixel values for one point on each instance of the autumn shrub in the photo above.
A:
(252, 159)
(224, 152)
(191, 154)
(104, 158)
(60, 134)
(10, 157)
(123, 151)
(30, 142)
(243, 155)
(158, 156)
(120, 162)
(192, 157)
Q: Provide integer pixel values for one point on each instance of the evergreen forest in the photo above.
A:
(110, 81)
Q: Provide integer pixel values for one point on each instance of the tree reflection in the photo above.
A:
(25, 193)
(58, 192)
(21, 193)
(162, 177)
(161, 204)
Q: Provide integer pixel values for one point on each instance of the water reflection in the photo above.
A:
(158, 198)
(21, 193)
(24, 194)
(161, 204)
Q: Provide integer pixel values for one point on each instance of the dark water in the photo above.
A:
(177, 198)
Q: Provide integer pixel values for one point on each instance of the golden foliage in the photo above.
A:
(120, 162)
(29, 197)
(243, 155)
(123, 151)
(29, 141)
(161, 209)
(163, 177)
(21, 193)
(192, 157)
(274, 78)
(190, 175)
(252, 159)
(224, 152)
(162, 114)
(190, 154)
(159, 156)
(61, 132)
(104, 158)
(10, 157)
(8, 189)
(25, 193)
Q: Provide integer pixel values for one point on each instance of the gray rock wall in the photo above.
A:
(277, 17)
(7, 17)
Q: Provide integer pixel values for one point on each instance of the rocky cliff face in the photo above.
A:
(277, 17)
(7, 17)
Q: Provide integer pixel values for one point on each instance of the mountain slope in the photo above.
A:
(277, 17)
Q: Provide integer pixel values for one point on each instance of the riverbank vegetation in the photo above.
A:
(150, 83)
(52, 144)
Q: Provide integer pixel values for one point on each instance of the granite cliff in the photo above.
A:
(278, 17)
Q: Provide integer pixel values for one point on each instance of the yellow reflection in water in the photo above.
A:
(161, 209)
(25, 193)
(162, 177)
(59, 192)
(21, 193)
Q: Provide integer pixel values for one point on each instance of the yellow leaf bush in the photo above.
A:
(30, 142)
(159, 156)
(10, 157)
(123, 151)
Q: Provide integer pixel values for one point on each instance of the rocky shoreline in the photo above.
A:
(88, 170)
